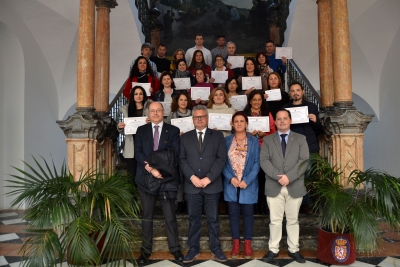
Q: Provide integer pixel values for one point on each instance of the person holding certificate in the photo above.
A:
(137, 107)
(257, 107)
(232, 87)
(199, 63)
(241, 182)
(219, 66)
(178, 54)
(182, 72)
(250, 69)
(141, 72)
(167, 89)
(218, 102)
(274, 82)
(263, 64)
(201, 82)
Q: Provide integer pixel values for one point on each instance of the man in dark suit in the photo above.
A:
(153, 136)
(202, 158)
(283, 158)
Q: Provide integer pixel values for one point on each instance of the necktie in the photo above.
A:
(155, 138)
(200, 139)
(283, 144)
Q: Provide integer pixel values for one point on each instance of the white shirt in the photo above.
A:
(206, 54)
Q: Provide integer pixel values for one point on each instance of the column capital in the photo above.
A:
(106, 3)
(344, 121)
(81, 125)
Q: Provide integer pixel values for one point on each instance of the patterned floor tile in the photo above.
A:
(8, 214)
(8, 237)
(390, 262)
(14, 221)
(356, 264)
(308, 264)
(256, 263)
(3, 261)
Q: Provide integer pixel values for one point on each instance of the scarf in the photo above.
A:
(181, 74)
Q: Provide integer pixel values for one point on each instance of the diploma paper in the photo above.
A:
(182, 83)
(200, 92)
(146, 87)
(220, 121)
(274, 94)
(236, 61)
(299, 114)
(167, 108)
(258, 123)
(283, 52)
(238, 102)
(184, 124)
(219, 76)
(132, 123)
(249, 82)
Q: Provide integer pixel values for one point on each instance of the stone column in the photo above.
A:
(341, 54)
(85, 77)
(102, 58)
(325, 53)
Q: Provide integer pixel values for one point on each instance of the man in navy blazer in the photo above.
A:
(156, 135)
(283, 158)
(202, 158)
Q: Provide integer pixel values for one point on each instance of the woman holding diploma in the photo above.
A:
(218, 102)
(274, 82)
(181, 107)
(240, 182)
(257, 107)
(220, 66)
(201, 82)
(182, 72)
(141, 72)
(263, 64)
(198, 63)
(250, 69)
(138, 106)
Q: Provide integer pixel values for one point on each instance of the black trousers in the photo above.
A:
(168, 207)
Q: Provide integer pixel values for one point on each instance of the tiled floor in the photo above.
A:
(12, 237)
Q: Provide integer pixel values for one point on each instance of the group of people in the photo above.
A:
(199, 166)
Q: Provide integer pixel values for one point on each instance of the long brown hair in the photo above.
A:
(175, 100)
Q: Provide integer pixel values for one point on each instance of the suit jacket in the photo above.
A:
(144, 143)
(250, 173)
(273, 163)
(208, 162)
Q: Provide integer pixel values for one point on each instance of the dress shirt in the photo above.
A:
(286, 137)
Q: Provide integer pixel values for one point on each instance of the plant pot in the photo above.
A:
(336, 249)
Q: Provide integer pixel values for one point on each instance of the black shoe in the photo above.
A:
(297, 257)
(190, 256)
(306, 209)
(218, 256)
(180, 209)
(144, 258)
(178, 255)
(270, 256)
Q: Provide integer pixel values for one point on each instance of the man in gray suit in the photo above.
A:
(282, 157)
(202, 158)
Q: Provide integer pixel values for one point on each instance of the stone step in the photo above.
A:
(308, 233)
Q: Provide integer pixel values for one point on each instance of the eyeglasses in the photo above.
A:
(156, 111)
(199, 117)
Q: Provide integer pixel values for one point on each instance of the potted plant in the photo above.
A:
(351, 208)
(88, 221)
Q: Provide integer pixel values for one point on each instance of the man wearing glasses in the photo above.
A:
(202, 158)
(150, 137)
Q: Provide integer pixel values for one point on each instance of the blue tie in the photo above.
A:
(283, 144)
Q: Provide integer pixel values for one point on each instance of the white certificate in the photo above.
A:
(236, 61)
(283, 52)
(219, 76)
(146, 86)
(167, 108)
(258, 123)
(238, 102)
(299, 114)
(220, 121)
(184, 124)
(249, 82)
(132, 123)
(182, 83)
(200, 92)
(274, 94)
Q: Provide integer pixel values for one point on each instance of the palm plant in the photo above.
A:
(355, 206)
(89, 221)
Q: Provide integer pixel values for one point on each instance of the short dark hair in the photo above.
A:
(228, 81)
(288, 112)
(199, 34)
(221, 36)
(294, 83)
(163, 45)
(270, 41)
(240, 113)
(174, 103)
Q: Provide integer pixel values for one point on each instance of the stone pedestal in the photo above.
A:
(344, 138)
